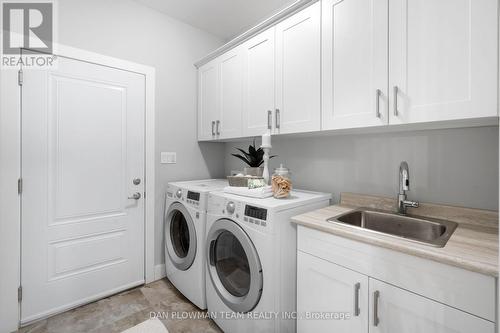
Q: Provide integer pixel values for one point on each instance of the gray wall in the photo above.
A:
(453, 166)
(128, 30)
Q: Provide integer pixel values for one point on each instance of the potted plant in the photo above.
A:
(253, 158)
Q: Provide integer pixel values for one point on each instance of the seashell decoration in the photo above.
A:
(281, 186)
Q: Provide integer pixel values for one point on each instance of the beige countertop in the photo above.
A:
(473, 245)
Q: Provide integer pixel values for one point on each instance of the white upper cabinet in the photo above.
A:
(323, 287)
(259, 83)
(443, 59)
(397, 310)
(340, 64)
(208, 100)
(231, 93)
(354, 63)
(298, 72)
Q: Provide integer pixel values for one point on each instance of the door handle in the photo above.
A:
(213, 126)
(217, 127)
(211, 253)
(357, 287)
(277, 118)
(135, 196)
(376, 296)
(377, 103)
(269, 119)
(396, 90)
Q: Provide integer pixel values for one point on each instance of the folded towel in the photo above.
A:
(261, 192)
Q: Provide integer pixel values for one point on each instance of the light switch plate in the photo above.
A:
(168, 157)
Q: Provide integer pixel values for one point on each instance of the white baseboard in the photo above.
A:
(160, 272)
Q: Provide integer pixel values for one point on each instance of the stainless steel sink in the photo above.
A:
(417, 229)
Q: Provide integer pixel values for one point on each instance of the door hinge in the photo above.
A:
(20, 77)
(19, 186)
(20, 293)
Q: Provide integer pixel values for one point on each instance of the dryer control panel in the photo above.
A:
(241, 212)
(255, 215)
(256, 212)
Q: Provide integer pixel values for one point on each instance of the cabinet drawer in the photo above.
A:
(465, 290)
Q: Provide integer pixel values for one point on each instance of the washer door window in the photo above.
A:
(234, 266)
(180, 236)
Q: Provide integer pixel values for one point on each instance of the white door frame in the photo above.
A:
(10, 170)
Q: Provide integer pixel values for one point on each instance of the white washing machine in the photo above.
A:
(251, 260)
(185, 221)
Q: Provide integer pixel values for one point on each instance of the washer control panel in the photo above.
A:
(192, 198)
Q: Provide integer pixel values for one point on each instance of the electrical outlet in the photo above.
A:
(168, 157)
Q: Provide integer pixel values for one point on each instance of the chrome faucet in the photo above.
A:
(404, 185)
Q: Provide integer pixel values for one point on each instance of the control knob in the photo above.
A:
(231, 207)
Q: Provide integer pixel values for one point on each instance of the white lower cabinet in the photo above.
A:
(333, 298)
(396, 310)
(328, 289)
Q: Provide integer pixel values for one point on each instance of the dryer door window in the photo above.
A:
(234, 266)
(180, 236)
(231, 264)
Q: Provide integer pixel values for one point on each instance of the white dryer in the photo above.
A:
(251, 260)
(184, 230)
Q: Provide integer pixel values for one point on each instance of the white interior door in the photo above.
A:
(443, 59)
(82, 147)
(298, 72)
(258, 83)
(355, 63)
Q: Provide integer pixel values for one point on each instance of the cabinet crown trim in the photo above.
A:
(270, 21)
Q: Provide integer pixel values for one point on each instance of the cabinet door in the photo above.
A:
(355, 63)
(208, 100)
(398, 310)
(258, 96)
(298, 72)
(325, 289)
(443, 59)
(231, 93)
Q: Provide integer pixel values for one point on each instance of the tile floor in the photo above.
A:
(119, 312)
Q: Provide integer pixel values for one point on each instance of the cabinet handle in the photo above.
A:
(213, 126)
(377, 103)
(357, 286)
(396, 90)
(217, 127)
(277, 115)
(376, 296)
(269, 119)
